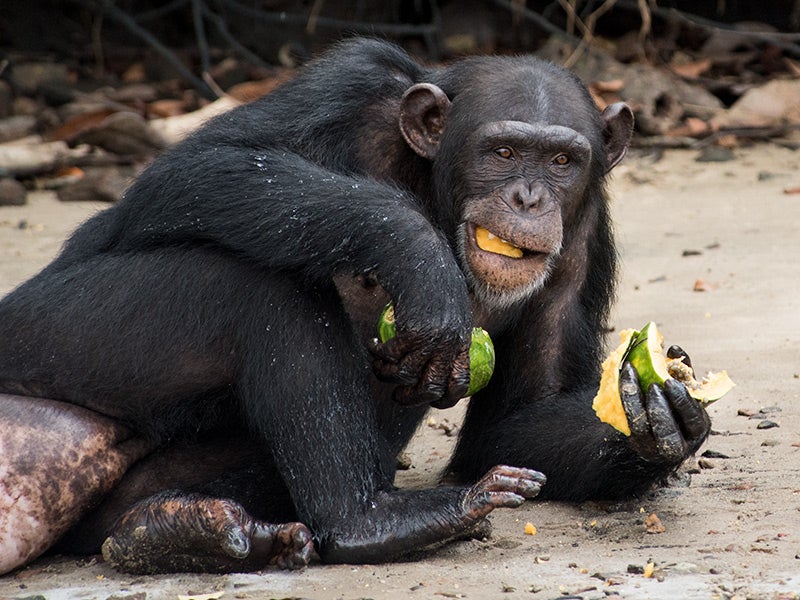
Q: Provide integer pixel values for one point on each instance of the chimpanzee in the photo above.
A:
(194, 382)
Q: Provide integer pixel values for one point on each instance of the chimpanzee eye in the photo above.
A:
(562, 159)
(504, 152)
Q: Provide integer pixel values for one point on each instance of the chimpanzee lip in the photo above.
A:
(527, 252)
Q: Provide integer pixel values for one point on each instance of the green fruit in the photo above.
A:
(481, 360)
(644, 349)
(481, 350)
(647, 357)
(646, 354)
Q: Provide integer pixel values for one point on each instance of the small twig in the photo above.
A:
(569, 7)
(160, 12)
(534, 17)
(97, 44)
(223, 31)
(779, 39)
(200, 36)
(327, 22)
(647, 21)
(313, 16)
(587, 28)
(110, 10)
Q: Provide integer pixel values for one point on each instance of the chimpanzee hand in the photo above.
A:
(667, 425)
(430, 366)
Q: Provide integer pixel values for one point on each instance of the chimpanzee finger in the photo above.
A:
(678, 352)
(458, 382)
(429, 389)
(668, 437)
(633, 402)
(690, 413)
(398, 361)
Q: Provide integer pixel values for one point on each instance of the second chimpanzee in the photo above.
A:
(191, 382)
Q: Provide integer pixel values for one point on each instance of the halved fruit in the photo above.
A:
(647, 357)
(645, 351)
(608, 403)
(489, 242)
(481, 350)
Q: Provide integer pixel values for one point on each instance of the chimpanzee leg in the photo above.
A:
(149, 339)
(56, 460)
(174, 531)
(310, 400)
(219, 487)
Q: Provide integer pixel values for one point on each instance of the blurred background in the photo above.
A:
(91, 89)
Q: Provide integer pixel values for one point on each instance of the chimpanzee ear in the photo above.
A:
(618, 119)
(423, 112)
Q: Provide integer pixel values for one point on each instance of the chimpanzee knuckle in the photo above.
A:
(675, 351)
(411, 396)
(506, 499)
(672, 447)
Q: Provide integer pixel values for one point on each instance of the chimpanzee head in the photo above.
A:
(518, 150)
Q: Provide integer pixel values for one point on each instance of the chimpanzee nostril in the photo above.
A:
(527, 197)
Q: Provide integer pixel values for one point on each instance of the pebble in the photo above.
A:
(715, 154)
(12, 192)
(766, 424)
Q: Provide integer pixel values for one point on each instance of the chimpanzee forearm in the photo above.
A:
(581, 457)
(402, 521)
(286, 213)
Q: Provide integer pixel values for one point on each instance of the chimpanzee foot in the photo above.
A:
(501, 487)
(171, 533)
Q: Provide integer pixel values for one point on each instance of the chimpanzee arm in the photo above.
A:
(537, 410)
(561, 436)
(286, 213)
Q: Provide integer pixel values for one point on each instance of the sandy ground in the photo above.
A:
(734, 533)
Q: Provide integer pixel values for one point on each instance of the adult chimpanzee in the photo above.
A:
(195, 364)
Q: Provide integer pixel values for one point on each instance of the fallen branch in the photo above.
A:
(107, 8)
(23, 160)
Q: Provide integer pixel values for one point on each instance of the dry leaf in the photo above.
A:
(603, 87)
(691, 127)
(653, 524)
(210, 596)
(792, 65)
(692, 70)
(773, 104)
(701, 285)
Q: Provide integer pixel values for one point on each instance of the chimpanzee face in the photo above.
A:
(520, 182)
(512, 180)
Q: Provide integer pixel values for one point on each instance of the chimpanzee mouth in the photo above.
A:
(491, 243)
(501, 269)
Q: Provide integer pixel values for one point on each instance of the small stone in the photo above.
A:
(766, 424)
(12, 192)
(714, 454)
(404, 461)
(715, 154)
(635, 569)
(99, 184)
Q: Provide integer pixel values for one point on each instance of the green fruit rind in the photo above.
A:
(481, 360)
(647, 357)
(481, 350)
(386, 326)
(644, 349)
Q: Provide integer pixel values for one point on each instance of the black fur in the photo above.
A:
(206, 302)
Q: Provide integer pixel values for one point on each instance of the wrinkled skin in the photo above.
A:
(215, 329)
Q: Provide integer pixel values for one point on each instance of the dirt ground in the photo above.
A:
(727, 227)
